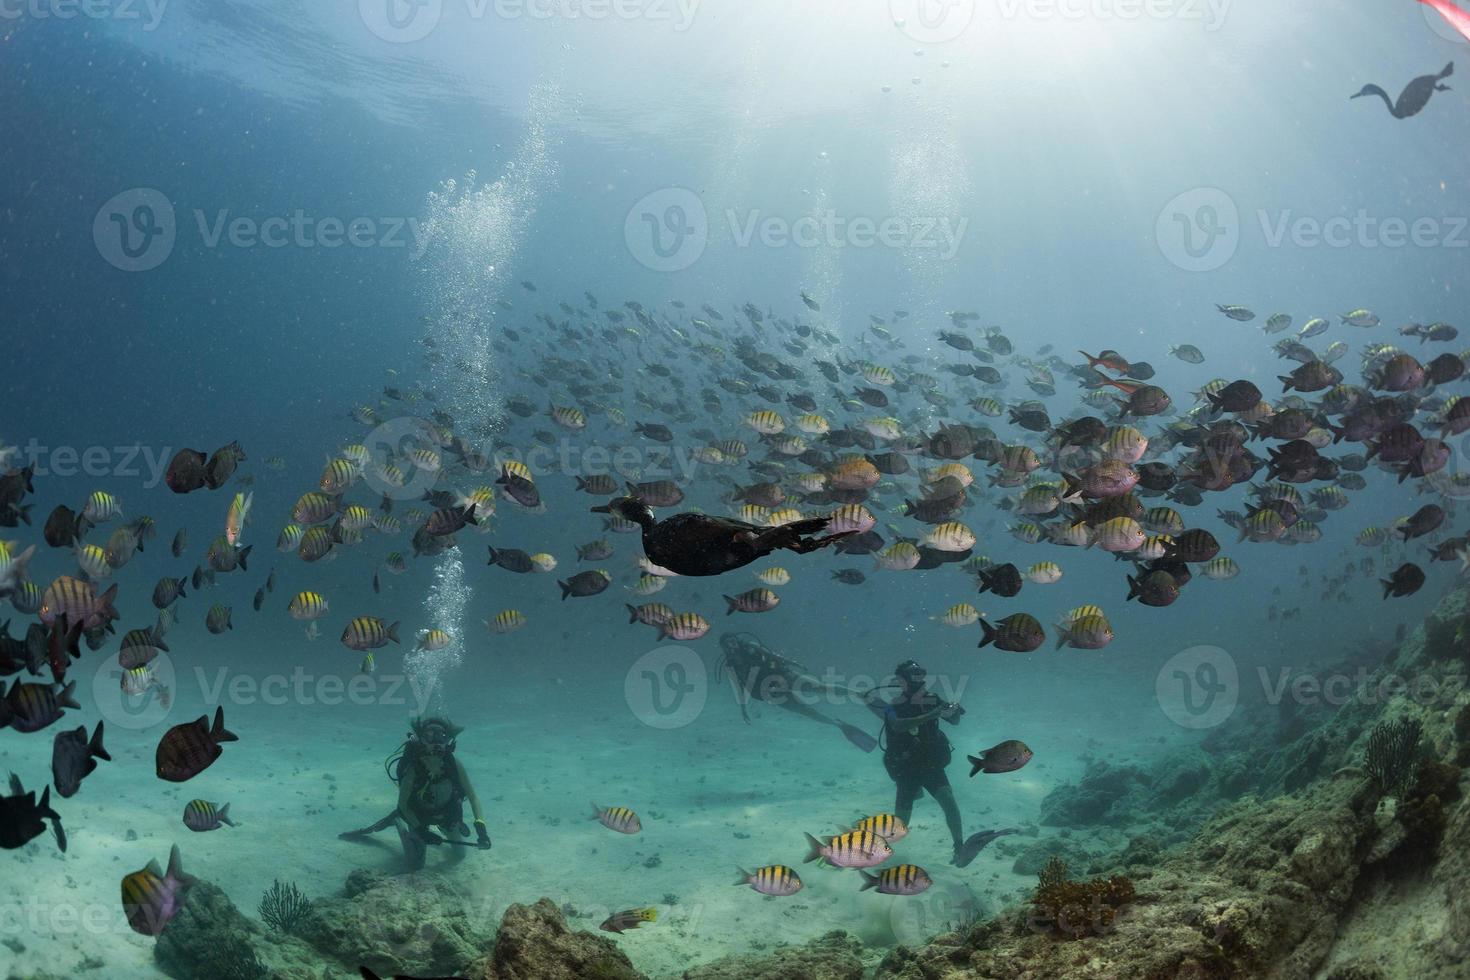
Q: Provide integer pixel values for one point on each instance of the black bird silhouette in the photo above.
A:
(1415, 95)
(701, 544)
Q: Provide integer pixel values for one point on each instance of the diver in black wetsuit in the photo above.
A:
(758, 672)
(916, 752)
(432, 789)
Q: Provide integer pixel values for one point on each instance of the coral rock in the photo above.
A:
(415, 924)
(536, 944)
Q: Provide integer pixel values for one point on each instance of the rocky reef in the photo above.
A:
(1348, 857)
(1339, 850)
(416, 924)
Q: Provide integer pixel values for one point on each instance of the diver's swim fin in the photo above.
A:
(858, 737)
(383, 824)
(975, 843)
(370, 975)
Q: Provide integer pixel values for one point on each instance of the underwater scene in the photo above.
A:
(824, 490)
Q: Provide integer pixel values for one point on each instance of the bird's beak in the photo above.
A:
(602, 509)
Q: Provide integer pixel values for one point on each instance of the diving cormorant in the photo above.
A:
(701, 544)
(1415, 95)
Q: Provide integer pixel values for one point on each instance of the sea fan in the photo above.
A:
(284, 907)
(1393, 748)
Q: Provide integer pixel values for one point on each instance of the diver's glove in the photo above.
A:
(482, 834)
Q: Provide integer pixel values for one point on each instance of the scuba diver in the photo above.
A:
(701, 544)
(432, 789)
(916, 752)
(758, 672)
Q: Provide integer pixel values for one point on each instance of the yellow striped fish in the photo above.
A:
(308, 605)
(1044, 573)
(774, 576)
(618, 818)
(902, 879)
(290, 538)
(201, 816)
(850, 517)
(337, 476)
(684, 626)
(433, 639)
(951, 536)
(766, 422)
(886, 825)
(101, 507)
(960, 614)
(507, 621)
(854, 849)
(368, 633)
(314, 507)
(648, 584)
(572, 419)
(774, 879)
